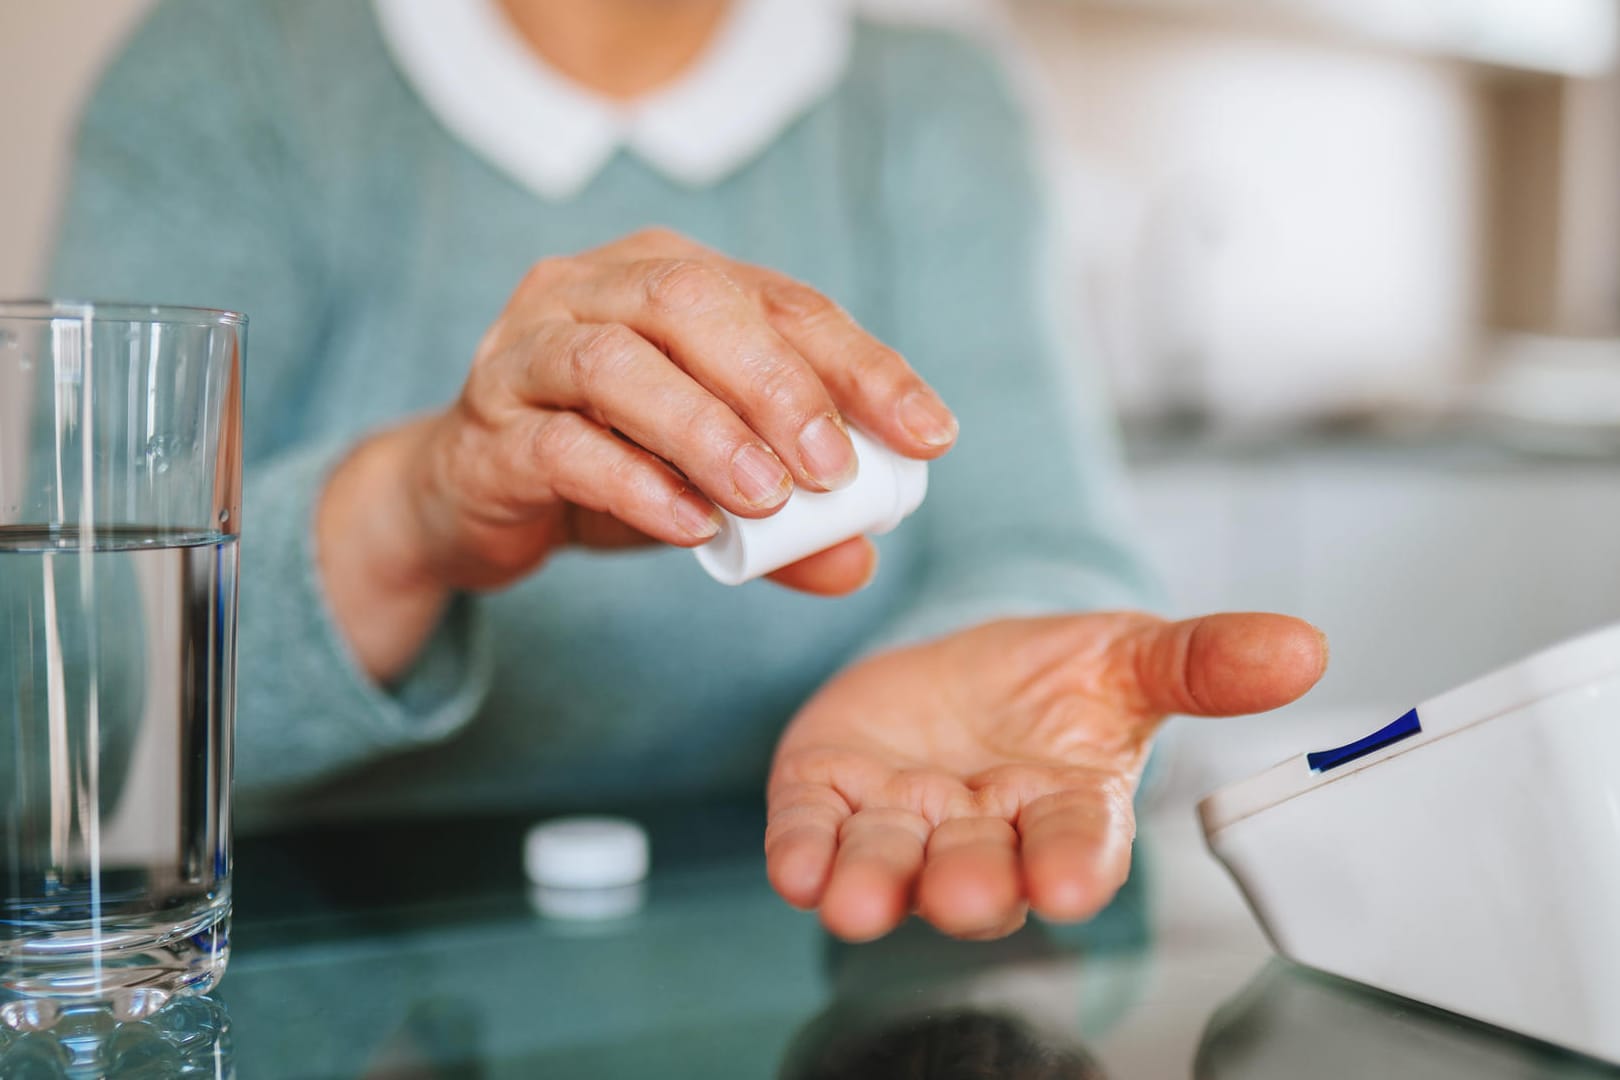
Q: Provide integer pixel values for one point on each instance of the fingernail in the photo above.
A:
(926, 419)
(696, 517)
(759, 477)
(826, 453)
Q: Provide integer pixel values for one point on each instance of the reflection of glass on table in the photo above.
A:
(190, 1038)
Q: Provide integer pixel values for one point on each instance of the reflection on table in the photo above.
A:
(965, 1043)
(357, 970)
(1291, 1022)
(412, 951)
(188, 1039)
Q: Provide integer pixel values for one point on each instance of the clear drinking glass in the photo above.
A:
(120, 501)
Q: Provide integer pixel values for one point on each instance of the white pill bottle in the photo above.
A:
(887, 488)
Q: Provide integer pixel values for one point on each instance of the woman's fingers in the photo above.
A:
(612, 374)
(1220, 665)
(565, 455)
(871, 383)
(869, 892)
(1076, 848)
(970, 884)
(801, 839)
(696, 313)
(728, 383)
(592, 529)
(838, 570)
(971, 877)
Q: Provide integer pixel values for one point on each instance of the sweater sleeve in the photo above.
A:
(1027, 514)
(187, 187)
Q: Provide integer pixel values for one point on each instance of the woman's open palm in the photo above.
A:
(978, 776)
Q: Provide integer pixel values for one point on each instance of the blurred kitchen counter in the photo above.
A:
(1428, 559)
(1411, 446)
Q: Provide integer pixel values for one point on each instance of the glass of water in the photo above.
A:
(120, 503)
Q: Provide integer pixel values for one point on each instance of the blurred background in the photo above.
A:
(1354, 270)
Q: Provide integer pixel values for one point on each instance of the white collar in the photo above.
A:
(771, 61)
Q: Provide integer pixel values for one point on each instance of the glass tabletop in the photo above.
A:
(413, 951)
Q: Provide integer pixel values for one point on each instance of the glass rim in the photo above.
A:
(122, 311)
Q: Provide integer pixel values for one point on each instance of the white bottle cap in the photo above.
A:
(886, 489)
(585, 853)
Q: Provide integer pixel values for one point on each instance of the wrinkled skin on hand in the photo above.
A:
(991, 772)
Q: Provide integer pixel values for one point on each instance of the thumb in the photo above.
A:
(1223, 665)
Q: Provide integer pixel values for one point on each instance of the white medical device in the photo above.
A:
(1466, 855)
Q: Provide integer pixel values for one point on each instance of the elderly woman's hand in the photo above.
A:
(973, 778)
(621, 397)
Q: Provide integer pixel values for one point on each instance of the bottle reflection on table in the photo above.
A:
(188, 1039)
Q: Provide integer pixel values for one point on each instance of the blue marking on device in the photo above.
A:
(1404, 728)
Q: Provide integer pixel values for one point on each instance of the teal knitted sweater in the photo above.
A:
(268, 157)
